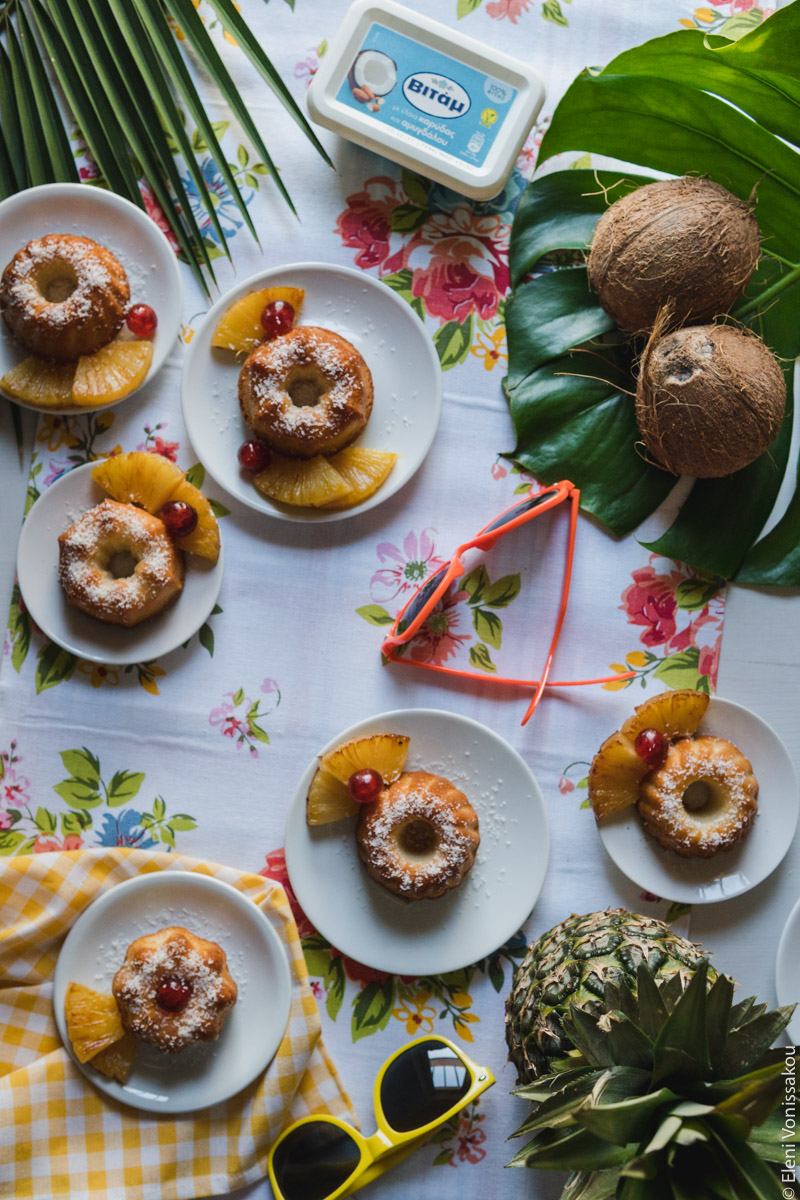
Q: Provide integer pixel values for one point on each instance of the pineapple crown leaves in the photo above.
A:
(670, 1092)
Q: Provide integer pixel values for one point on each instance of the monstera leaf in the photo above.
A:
(684, 103)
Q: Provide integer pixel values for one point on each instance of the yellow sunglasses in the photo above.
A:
(420, 1087)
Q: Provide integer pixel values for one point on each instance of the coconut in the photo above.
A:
(709, 399)
(686, 242)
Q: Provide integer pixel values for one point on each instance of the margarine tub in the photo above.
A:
(427, 97)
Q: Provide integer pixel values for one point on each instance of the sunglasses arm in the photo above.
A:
(385, 1157)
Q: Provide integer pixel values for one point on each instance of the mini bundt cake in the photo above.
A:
(63, 296)
(174, 989)
(117, 563)
(307, 392)
(420, 837)
(702, 800)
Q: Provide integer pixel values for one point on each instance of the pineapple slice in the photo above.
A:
(139, 478)
(675, 714)
(307, 482)
(328, 800)
(382, 752)
(93, 1021)
(151, 481)
(112, 372)
(240, 328)
(35, 381)
(363, 471)
(117, 1059)
(615, 775)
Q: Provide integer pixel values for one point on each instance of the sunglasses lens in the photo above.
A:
(418, 602)
(422, 1084)
(314, 1160)
(518, 511)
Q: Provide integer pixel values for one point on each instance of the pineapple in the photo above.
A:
(117, 1059)
(328, 800)
(151, 481)
(307, 482)
(363, 471)
(675, 714)
(112, 372)
(382, 752)
(34, 381)
(615, 775)
(617, 770)
(93, 1021)
(240, 327)
(647, 1082)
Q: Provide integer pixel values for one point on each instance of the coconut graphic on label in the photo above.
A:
(371, 77)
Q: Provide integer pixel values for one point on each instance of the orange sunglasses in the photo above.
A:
(416, 612)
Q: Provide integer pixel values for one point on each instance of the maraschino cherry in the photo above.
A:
(141, 320)
(277, 318)
(652, 746)
(254, 455)
(365, 786)
(173, 993)
(179, 518)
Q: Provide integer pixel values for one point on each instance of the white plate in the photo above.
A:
(146, 255)
(428, 937)
(731, 872)
(787, 971)
(37, 570)
(202, 1075)
(382, 327)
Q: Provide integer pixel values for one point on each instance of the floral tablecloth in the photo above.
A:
(200, 751)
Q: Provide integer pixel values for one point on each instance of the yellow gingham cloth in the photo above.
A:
(59, 1137)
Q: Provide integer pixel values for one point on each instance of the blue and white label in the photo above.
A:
(426, 96)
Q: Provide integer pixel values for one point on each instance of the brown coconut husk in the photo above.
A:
(688, 242)
(709, 398)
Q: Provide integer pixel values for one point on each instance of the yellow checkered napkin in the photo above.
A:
(61, 1137)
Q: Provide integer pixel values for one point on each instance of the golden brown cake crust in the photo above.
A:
(420, 837)
(174, 953)
(85, 554)
(306, 392)
(732, 792)
(63, 296)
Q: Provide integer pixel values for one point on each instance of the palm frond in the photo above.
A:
(111, 75)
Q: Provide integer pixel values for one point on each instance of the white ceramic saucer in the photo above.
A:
(202, 1075)
(149, 260)
(426, 937)
(405, 371)
(732, 872)
(37, 571)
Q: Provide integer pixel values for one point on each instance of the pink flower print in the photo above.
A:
(470, 1145)
(269, 686)
(650, 602)
(649, 897)
(459, 263)
(708, 662)
(42, 845)
(365, 225)
(156, 213)
(498, 471)
(499, 10)
(410, 565)
(565, 785)
(165, 449)
(437, 640)
(307, 68)
(5, 820)
(14, 789)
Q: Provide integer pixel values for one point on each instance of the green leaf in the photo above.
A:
(551, 11)
(75, 822)
(335, 983)
(181, 823)
(444, 1156)
(591, 1185)
(10, 126)
(452, 342)
(372, 1008)
(45, 821)
(205, 636)
(59, 153)
(77, 794)
(123, 787)
(375, 615)
(680, 670)
(488, 626)
(159, 808)
(53, 666)
(196, 475)
(242, 156)
(479, 657)
(475, 584)
(415, 187)
(83, 765)
(400, 282)
(258, 733)
(627, 1120)
(740, 24)
(502, 591)
(238, 697)
(408, 218)
(35, 156)
(10, 840)
(695, 593)
(681, 1048)
(563, 1150)
(465, 7)
(218, 509)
